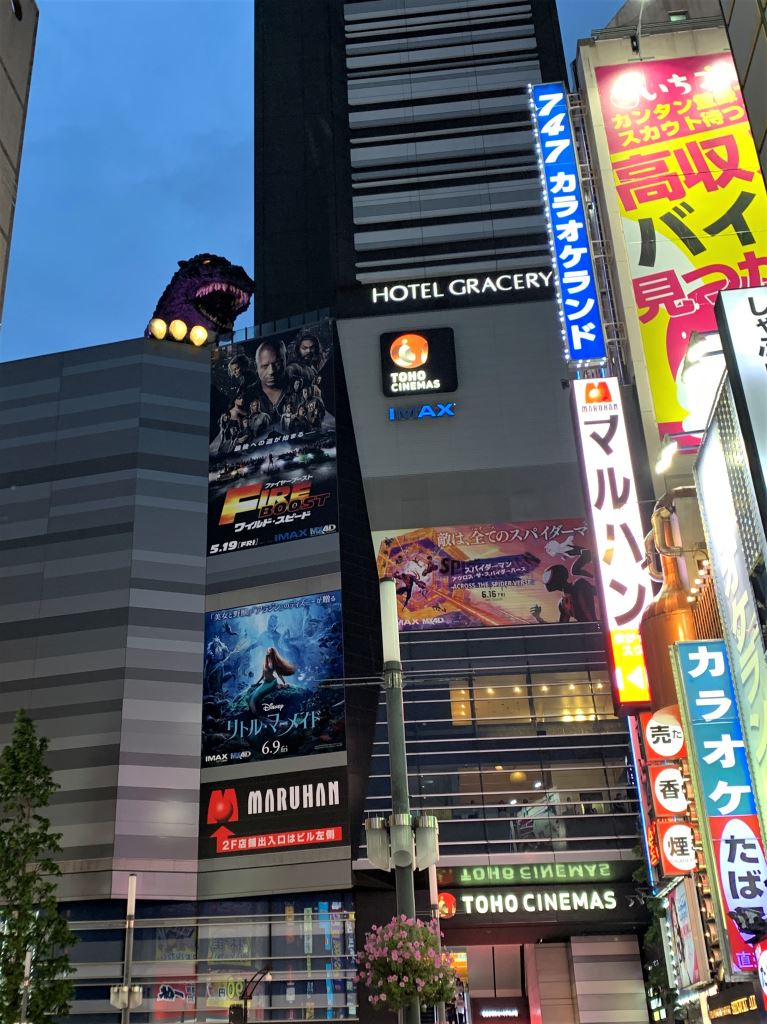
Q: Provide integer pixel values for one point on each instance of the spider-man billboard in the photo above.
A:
(269, 687)
(491, 574)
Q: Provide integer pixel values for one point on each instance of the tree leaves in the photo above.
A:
(29, 915)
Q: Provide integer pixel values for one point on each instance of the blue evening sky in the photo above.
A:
(139, 152)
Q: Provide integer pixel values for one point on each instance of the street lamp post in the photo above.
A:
(401, 822)
(249, 988)
(130, 920)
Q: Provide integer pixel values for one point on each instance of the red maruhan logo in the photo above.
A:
(409, 351)
(222, 807)
(597, 391)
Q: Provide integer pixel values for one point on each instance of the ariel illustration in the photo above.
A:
(271, 679)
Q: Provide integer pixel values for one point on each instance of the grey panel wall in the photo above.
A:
(507, 454)
(102, 536)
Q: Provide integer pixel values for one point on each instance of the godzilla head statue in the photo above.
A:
(205, 296)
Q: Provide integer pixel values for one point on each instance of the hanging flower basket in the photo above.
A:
(401, 964)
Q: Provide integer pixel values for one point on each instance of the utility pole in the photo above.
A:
(401, 822)
(130, 920)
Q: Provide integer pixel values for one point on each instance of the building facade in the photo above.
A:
(18, 29)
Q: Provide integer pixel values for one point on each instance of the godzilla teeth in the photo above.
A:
(221, 286)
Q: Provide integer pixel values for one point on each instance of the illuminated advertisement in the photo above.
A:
(735, 595)
(568, 224)
(272, 463)
(726, 793)
(268, 689)
(274, 813)
(743, 329)
(491, 574)
(617, 526)
(693, 208)
(418, 362)
(584, 902)
(685, 934)
(544, 873)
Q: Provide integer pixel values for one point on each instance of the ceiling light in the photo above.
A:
(545, 689)
(666, 455)
(599, 686)
(572, 687)
(499, 767)
(517, 689)
(537, 785)
(512, 801)
(490, 689)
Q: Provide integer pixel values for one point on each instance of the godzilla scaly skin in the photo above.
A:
(206, 290)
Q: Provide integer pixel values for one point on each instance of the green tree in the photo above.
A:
(29, 915)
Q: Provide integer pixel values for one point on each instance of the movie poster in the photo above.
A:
(272, 464)
(268, 683)
(492, 574)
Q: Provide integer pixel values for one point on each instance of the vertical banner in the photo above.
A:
(742, 319)
(617, 530)
(272, 463)
(726, 797)
(685, 935)
(568, 224)
(735, 593)
(693, 209)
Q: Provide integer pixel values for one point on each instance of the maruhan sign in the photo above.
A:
(481, 286)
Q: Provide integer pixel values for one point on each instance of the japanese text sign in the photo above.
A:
(617, 530)
(742, 319)
(692, 204)
(668, 790)
(676, 845)
(725, 788)
(715, 728)
(735, 597)
(662, 735)
(568, 231)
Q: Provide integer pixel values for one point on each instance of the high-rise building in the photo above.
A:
(405, 378)
(18, 29)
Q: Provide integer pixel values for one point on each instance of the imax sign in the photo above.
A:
(422, 412)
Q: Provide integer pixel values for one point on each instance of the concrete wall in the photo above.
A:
(103, 502)
(17, 47)
(507, 454)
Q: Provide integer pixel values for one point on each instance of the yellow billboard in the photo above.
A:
(693, 213)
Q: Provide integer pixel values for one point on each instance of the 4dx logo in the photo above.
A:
(422, 412)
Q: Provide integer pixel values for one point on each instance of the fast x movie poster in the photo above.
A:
(268, 689)
(272, 463)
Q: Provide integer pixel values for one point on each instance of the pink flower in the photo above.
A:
(417, 955)
(395, 955)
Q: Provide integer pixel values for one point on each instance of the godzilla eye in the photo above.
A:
(205, 261)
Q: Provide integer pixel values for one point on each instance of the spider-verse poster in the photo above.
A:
(491, 574)
(268, 687)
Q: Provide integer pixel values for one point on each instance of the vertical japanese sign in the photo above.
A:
(742, 319)
(736, 600)
(568, 229)
(665, 753)
(726, 796)
(617, 531)
(693, 207)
